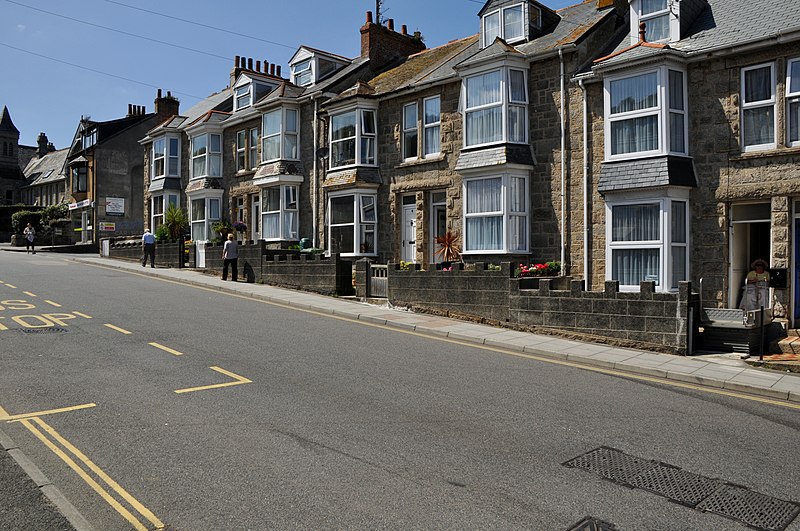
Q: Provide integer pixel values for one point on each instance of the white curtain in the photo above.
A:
(484, 232)
(758, 84)
(794, 121)
(636, 223)
(631, 266)
(513, 23)
(271, 225)
(634, 135)
(484, 195)
(634, 93)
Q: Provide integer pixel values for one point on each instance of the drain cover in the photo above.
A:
(612, 464)
(48, 330)
(754, 509)
(676, 484)
(591, 523)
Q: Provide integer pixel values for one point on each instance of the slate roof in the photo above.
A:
(494, 156)
(575, 22)
(5, 122)
(499, 48)
(220, 101)
(722, 24)
(46, 169)
(646, 173)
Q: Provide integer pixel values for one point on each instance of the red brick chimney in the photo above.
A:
(166, 107)
(384, 45)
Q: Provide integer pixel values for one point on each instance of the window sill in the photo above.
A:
(245, 173)
(419, 162)
(769, 152)
(468, 253)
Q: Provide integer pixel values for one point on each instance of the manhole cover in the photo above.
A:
(612, 464)
(676, 484)
(592, 524)
(754, 509)
(48, 330)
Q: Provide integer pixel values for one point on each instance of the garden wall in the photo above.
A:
(475, 292)
(309, 272)
(167, 253)
(249, 262)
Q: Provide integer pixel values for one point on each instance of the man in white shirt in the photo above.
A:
(148, 248)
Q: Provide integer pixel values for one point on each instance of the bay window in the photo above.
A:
(758, 107)
(496, 107)
(165, 157)
(158, 206)
(507, 23)
(279, 212)
(793, 102)
(204, 210)
(352, 223)
(207, 156)
(353, 138)
(646, 114)
(496, 214)
(648, 241)
(280, 135)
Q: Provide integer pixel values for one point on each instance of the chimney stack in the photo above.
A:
(166, 107)
(41, 142)
(383, 45)
(404, 29)
(369, 17)
(390, 24)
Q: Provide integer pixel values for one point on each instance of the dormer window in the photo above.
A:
(310, 66)
(248, 91)
(508, 23)
(655, 14)
(243, 98)
(302, 74)
(89, 138)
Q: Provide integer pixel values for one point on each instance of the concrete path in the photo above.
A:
(717, 371)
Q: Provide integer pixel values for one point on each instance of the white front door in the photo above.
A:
(255, 217)
(409, 233)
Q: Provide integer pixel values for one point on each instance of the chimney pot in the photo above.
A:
(390, 24)
(369, 17)
(404, 29)
(169, 94)
(130, 109)
(249, 63)
(236, 61)
(266, 66)
(258, 66)
(278, 71)
(272, 69)
(159, 93)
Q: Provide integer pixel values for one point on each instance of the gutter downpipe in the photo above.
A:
(586, 277)
(564, 268)
(314, 198)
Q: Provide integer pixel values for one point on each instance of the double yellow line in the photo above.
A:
(63, 448)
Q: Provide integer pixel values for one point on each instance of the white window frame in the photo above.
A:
(298, 73)
(361, 226)
(410, 129)
(163, 200)
(661, 110)
(241, 150)
(242, 96)
(500, 12)
(792, 98)
(252, 147)
(208, 155)
(744, 105)
(504, 212)
(426, 126)
(360, 117)
(282, 134)
(645, 17)
(665, 244)
(674, 110)
(167, 157)
(283, 212)
(209, 198)
(505, 103)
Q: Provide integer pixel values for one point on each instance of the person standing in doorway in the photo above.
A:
(230, 257)
(30, 235)
(756, 287)
(148, 248)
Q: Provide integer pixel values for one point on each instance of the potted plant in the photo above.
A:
(448, 250)
(240, 227)
(222, 227)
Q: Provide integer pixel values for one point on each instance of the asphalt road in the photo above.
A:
(319, 422)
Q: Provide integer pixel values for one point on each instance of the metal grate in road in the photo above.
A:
(752, 508)
(676, 484)
(756, 510)
(612, 464)
(45, 330)
(591, 523)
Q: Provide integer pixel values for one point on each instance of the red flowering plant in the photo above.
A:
(547, 269)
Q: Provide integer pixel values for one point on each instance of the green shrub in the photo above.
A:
(162, 233)
(19, 220)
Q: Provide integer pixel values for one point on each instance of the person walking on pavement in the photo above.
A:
(148, 248)
(230, 257)
(30, 235)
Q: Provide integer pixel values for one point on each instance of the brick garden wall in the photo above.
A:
(317, 273)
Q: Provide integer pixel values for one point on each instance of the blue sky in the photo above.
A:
(44, 93)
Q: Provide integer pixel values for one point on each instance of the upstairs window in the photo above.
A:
(410, 131)
(89, 138)
(302, 74)
(432, 125)
(507, 23)
(207, 156)
(493, 112)
(643, 107)
(353, 138)
(246, 94)
(280, 140)
(758, 107)
(241, 150)
(655, 15)
(793, 102)
(242, 97)
(79, 174)
(165, 157)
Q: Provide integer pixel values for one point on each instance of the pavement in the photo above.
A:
(723, 372)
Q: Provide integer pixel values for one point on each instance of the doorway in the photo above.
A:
(408, 251)
(750, 238)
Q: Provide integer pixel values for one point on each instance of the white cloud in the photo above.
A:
(20, 27)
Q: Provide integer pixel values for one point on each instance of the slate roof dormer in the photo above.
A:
(515, 21)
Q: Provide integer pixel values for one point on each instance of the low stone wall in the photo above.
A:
(472, 292)
(317, 273)
(249, 262)
(167, 253)
(644, 319)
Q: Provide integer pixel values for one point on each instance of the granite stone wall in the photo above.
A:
(326, 275)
